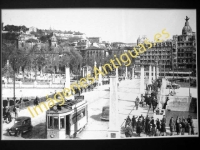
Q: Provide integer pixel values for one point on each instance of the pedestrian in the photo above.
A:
(154, 103)
(9, 119)
(186, 126)
(189, 129)
(36, 101)
(163, 129)
(148, 127)
(150, 101)
(164, 119)
(133, 122)
(142, 121)
(139, 127)
(146, 124)
(152, 129)
(189, 119)
(14, 110)
(128, 131)
(142, 100)
(172, 126)
(183, 127)
(157, 127)
(192, 127)
(4, 113)
(128, 121)
(177, 125)
(137, 102)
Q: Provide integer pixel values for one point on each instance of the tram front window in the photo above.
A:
(50, 122)
(62, 123)
(55, 122)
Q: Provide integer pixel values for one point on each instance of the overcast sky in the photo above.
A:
(114, 25)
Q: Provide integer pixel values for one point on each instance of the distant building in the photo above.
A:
(79, 35)
(53, 41)
(27, 41)
(94, 39)
(92, 52)
(31, 29)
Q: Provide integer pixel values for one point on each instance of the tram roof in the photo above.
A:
(66, 107)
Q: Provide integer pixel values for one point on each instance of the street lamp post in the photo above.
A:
(14, 86)
(164, 68)
(189, 84)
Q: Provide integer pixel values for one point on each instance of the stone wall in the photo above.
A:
(179, 103)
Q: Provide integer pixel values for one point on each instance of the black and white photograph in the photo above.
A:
(98, 73)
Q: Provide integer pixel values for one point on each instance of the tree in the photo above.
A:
(14, 28)
(7, 72)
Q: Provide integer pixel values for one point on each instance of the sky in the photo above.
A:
(113, 25)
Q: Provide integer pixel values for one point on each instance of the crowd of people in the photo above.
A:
(7, 114)
(151, 127)
(147, 125)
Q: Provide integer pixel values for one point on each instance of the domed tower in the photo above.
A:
(53, 41)
(187, 30)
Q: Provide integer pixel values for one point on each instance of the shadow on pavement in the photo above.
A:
(126, 100)
(38, 132)
(97, 118)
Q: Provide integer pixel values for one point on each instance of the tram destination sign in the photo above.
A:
(79, 97)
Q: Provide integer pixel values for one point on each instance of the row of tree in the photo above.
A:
(39, 59)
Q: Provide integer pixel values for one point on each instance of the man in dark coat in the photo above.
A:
(163, 129)
(172, 126)
(158, 126)
(133, 122)
(139, 127)
(154, 103)
(146, 124)
(4, 113)
(37, 101)
(128, 121)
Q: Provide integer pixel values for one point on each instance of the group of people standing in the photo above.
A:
(147, 125)
(7, 113)
(181, 125)
(157, 127)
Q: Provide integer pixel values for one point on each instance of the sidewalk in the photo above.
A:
(133, 85)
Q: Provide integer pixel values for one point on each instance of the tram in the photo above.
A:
(66, 121)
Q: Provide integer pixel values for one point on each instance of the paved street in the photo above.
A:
(39, 121)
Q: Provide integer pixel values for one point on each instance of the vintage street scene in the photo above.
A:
(73, 74)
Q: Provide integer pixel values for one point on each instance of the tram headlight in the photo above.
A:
(51, 135)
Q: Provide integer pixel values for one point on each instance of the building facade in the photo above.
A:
(159, 53)
(184, 49)
(94, 39)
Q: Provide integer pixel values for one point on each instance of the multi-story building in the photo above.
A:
(184, 49)
(173, 56)
(160, 54)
